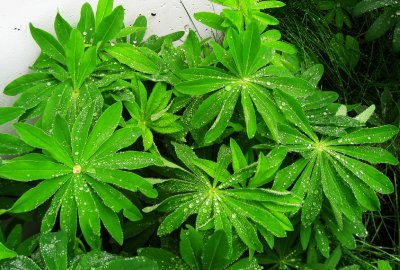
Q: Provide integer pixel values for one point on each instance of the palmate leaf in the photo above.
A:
(247, 62)
(150, 112)
(79, 171)
(44, 93)
(331, 165)
(213, 194)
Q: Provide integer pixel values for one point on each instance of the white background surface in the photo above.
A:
(18, 49)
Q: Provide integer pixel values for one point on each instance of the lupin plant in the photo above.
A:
(234, 178)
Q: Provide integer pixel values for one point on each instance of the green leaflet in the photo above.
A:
(6, 253)
(137, 37)
(33, 170)
(267, 167)
(48, 44)
(38, 195)
(210, 19)
(139, 59)
(10, 145)
(86, 24)
(370, 154)
(38, 138)
(104, 8)
(80, 63)
(223, 117)
(102, 130)
(26, 82)
(63, 29)
(88, 213)
(215, 250)
(125, 180)
(238, 159)
(368, 135)
(294, 113)
(9, 113)
(109, 26)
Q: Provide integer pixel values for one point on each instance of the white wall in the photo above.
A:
(18, 50)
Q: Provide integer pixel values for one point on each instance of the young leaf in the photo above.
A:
(103, 129)
(6, 253)
(74, 51)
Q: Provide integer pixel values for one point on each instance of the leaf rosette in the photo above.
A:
(82, 168)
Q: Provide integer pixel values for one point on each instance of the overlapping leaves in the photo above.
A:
(386, 21)
(331, 166)
(200, 251)
(82, 170)
(223, 201)
(53, 255)
(238, 14)
(249, 74)
(150, 114)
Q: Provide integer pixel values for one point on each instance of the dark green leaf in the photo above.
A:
(191, 248)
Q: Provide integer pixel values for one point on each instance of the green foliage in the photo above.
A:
(53, 255)
(151, 113)
(249, 70)
(199, 251)
(386, 21)
(239, 14)
(289, 177)
(223, 201)
(78, 167)
(338, 12)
